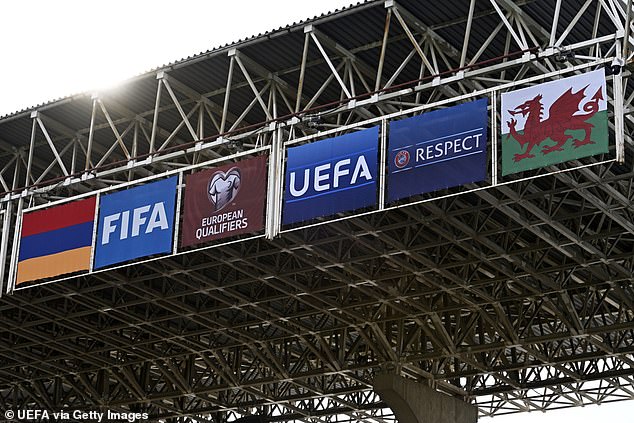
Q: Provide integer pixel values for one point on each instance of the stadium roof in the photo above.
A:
(357, 28)
(517, 295)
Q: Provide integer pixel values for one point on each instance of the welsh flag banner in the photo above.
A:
(554, 122)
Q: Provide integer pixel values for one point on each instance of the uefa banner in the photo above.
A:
(554, 122)
(331, 176)
(436, 150)
(224, 201)
(136, 222)
(56, 241)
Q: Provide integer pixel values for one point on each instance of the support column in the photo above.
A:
(413, 402)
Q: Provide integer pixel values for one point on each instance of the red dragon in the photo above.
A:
(561, 118)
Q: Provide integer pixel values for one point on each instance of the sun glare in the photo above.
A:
(66, 47)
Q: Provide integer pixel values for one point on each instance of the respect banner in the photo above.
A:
(436, 150)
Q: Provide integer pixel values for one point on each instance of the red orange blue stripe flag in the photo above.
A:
(56, 241)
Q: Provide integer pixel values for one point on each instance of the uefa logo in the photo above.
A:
(223, 187)
(401, 159)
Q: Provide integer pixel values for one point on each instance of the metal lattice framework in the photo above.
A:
(517, 296)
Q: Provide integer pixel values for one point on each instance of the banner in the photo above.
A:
(135, 223)
(436, 150)
(56, 241)
(331, 176)
(554, 122)
(224, 201)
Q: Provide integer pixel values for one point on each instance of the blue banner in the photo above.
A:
(436, 150)
(135, 223)
(331, 176)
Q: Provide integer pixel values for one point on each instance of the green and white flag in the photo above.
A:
(554, 122)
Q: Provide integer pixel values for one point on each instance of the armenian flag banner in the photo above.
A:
(56, 241)
(554, 122)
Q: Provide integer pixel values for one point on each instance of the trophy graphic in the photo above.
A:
(223, 187)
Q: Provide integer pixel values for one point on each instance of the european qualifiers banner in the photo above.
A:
(554, 122)
(136, 222)
(224, 201)
(56, 241)
(330, 176)
(436, 150)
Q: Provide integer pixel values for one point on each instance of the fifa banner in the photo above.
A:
(224, 201)
(135, 223)
(56, 241)
(440, 149)
(331, 176)
(554, 122)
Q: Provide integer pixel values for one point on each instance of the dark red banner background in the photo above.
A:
(224, 201)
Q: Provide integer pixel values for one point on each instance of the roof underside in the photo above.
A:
(517, 297)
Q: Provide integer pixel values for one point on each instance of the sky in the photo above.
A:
(52, 49)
